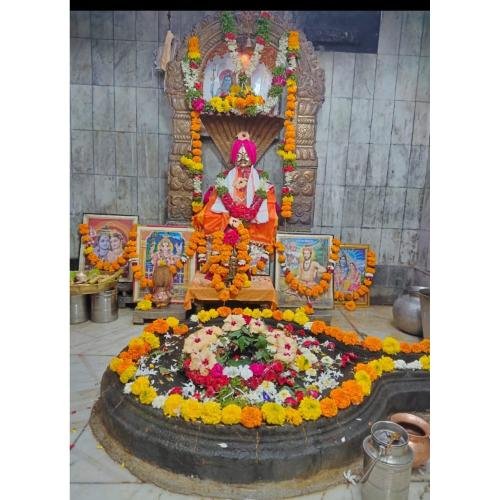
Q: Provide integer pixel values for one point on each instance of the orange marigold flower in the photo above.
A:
(173, 269)
(372, 343)
(405, 347)
(368, 369)
(224, 295)
(277, 315)
(350, 305)
(350, 338)
(341, 397)
(328, 407)
(354, 390)
(237, 310)
(251, 417)
(318, 327)
(180, 329)
(223, 311)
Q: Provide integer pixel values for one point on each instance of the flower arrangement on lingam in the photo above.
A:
(255, 367)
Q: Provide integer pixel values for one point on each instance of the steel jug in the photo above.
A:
(406, 311)
(387, 462)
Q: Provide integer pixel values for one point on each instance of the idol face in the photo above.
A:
(242, 160)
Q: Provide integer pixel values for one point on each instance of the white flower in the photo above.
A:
(233, 322)
(158, 401)
(309, 356)
(188, 389)
(414, 365)
(194, 318)
(231, 371)
(245, 372)
(311, 372)
(127, 388)
(282, 395)
(400, 364)
(307, 326)
(326, 361)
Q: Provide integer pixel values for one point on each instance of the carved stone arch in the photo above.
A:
(311, 95)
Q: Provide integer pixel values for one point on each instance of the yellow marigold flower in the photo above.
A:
(293, 416)
(310, 409)
(213, 313)
(247, 284)
(390, 345)
(172, 405)
(113, 364)
(302, 363)
(147, 395)
(386, 364)
(172, 322)
(88, 250)
(231, 414)
(139, 385)
(127, 374)
(267, 313)
(144, 305)
(273, 413)
(211, 413)
(247, 311)
(256, 313)
(136, 343)
(425, 361)
(191, 410)
(151, 339)
(301, 318)
(288, 315)
(363, 379)
(203, 316)
(375, 364)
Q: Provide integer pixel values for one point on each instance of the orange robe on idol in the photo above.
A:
(211, 221)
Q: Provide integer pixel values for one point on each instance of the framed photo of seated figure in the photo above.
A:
(109, 234)
(349, 274)
(164, 243)
(306, 255)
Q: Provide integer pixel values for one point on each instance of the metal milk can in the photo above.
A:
(406, 311)
(387, 463)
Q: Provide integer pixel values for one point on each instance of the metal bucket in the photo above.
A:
(425, 305)
(104, 306)
(386, 463)
(78, 309)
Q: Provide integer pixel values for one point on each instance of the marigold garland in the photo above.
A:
(129, 251)
(350, 392)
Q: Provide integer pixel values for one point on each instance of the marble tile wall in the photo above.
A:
(373, 150)
(120, 118)
(372, 139)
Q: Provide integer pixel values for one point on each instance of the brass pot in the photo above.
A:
(419, 436)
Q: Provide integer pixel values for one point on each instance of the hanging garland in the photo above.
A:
(349, 298)
(287, 150)
(300, 287)
(129, 252)
(192, 161)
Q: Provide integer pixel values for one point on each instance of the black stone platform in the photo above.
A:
(265, 454)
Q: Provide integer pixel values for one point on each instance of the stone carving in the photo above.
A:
(310, 96)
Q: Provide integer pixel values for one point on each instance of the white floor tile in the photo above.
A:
(142, 491)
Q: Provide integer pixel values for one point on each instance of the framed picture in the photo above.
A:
(350, 270)
(155, 243)
(109, 235)
(307, 258)
(255, 251)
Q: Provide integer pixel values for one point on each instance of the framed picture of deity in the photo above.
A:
(349, 272)
(167, 243)
(256, 252)
(109, 234)
(306, 255)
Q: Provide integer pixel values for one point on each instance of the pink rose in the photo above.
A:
(230, 36)
(198, 104)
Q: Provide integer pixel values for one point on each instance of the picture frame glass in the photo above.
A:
(109, 235)
(167, 243)
(307, 257)
(350, 270)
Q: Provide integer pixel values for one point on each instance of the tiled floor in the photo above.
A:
(94, 475)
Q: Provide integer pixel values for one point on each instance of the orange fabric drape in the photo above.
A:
(210, 221)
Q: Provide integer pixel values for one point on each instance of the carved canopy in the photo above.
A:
(311, 91)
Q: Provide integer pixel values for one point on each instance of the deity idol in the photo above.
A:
(242, 194)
